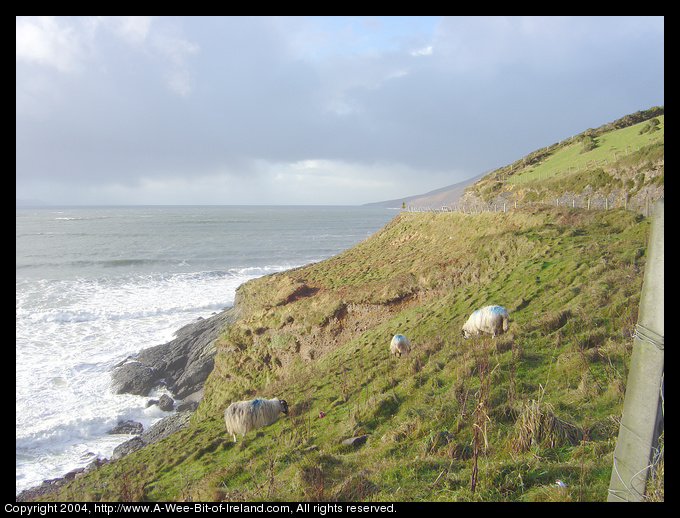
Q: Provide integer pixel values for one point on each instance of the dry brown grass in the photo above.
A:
(537, 425)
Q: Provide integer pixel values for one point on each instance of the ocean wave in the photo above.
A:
(132, 297)
(58, 447)
(56, 436)
(87, 217)
(77, 316)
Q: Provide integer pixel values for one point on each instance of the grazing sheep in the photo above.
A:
(400, 345)
(243, 416)
(489, 319)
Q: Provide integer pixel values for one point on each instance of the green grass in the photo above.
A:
(626, 165)
(610, 147)
(536, 404)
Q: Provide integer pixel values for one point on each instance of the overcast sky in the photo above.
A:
(307, 110)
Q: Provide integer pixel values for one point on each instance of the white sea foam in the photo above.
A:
(68, 338)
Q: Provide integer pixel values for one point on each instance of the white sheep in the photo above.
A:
(400, 345)
(489, 319)
(243, 416)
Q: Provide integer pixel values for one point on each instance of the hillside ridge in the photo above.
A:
(318, 336)
(525, 180)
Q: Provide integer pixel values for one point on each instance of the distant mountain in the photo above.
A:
(434, 199)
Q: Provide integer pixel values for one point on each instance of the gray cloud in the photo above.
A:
(260, 110)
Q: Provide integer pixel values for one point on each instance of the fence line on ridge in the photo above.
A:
(646, 208)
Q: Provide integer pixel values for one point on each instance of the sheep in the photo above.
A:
(243, 416)
(400, 345)
(489, 319)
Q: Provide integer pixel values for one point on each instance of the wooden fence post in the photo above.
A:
(643, 405)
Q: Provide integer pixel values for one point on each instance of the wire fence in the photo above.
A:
(581, 201)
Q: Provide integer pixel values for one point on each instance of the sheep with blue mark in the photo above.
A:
(489, 319)
(244, 416)
(400, 345)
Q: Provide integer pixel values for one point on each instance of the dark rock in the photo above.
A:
(95, 464)
(187, 406)
(165, 426)
(183, 363)
(355, 441)
(127, 447)
(133, 377)
(165, 403)
(127, 427)
(73, 473)
(31, 494)
(194, 376)
(47, 486)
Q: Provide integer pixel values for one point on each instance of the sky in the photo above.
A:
(310, 110)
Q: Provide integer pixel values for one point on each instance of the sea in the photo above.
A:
(95, 285)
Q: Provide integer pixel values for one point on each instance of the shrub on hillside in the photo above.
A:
(651, 126)
(588, 143)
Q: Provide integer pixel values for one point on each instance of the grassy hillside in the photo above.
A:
(623, 160)
(588, 150)
(509, 415)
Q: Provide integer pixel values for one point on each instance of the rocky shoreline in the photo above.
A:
(181, 365)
